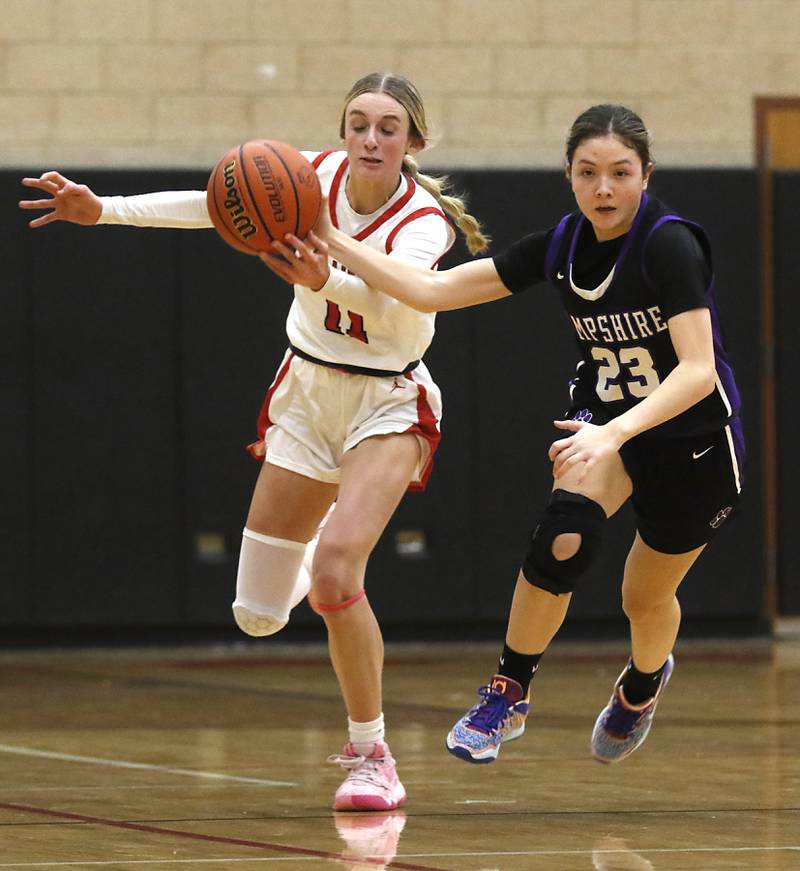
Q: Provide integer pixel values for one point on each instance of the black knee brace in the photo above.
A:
(565, 512)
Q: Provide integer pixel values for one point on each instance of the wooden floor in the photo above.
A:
(164, 760)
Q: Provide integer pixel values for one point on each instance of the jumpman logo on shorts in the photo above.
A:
(397, 385)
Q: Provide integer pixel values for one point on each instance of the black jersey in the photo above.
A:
(619, 296)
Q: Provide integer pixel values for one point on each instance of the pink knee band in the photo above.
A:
(316, 606)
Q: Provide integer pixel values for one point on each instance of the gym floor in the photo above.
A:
(215, 758)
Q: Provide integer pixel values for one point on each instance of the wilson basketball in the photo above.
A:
(260, 191)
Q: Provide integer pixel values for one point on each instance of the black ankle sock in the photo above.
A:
(520, 667)
(638, 686)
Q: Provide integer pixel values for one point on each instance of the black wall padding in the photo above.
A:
(16, 373)
(787, 284)
(135, 362)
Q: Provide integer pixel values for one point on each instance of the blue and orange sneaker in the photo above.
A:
(499, 716)
(622, 727)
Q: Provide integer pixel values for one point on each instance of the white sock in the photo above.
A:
(364, 736)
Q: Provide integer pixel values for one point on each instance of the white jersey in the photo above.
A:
(345, 322)
(348, 322)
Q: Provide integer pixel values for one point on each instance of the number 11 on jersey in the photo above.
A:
(333, 322)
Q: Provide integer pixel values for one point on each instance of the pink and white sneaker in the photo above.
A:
(371, 784)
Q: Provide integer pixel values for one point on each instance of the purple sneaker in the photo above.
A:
(622, 727)
(498, 717)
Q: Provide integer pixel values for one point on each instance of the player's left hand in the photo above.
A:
(299, 261)
(588, 444)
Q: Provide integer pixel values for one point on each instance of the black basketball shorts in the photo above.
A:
(684, 489)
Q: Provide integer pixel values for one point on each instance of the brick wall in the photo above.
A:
(176, 82)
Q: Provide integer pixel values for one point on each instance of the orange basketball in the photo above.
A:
(261, 190)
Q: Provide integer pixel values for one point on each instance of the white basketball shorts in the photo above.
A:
(312, 414)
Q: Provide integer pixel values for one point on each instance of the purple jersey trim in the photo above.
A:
(555, 242)
(554, 247)
(727, 381)
(626, 245)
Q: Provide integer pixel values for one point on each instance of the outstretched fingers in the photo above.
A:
(54, 177)
(50, 181)
(36, 204)
(49, 187)
(43, 219)
(69, 201)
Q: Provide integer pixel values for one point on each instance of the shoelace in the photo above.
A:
(361, 768)
(490, 713)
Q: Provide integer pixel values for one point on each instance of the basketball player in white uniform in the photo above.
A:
(351, 419)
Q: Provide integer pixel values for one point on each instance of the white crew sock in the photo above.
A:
(364, 736)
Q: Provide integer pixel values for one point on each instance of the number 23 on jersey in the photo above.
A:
(631, 368)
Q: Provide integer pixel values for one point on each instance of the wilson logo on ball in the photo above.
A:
(261, 190)
(233, 203)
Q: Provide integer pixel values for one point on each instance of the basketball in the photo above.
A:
(260, 191)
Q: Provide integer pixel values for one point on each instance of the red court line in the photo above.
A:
(198, 836)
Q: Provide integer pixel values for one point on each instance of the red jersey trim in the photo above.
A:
(320, 157)
(390, 212)
(258, 449)
(427, 428)
(334, 191)
(382, 218)
(419, 213)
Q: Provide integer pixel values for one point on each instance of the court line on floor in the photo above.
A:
(139, 766)
(394, 864)
(488, 854)
(115, 863)
(21, 788)
(193, 836)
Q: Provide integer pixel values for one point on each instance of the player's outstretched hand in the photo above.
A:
(299, 261)
(587, 444)
(68, 201)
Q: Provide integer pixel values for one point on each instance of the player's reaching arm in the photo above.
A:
(78, 204)
(423, 289)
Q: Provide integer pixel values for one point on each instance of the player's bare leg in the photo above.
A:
(648, 598)
(648, 595)
(536, 615)
(375, 476)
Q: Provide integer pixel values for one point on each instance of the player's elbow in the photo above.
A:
(706, 380)
(436, 293)
(427, 306)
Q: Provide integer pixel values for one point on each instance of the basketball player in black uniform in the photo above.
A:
(653, 416)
